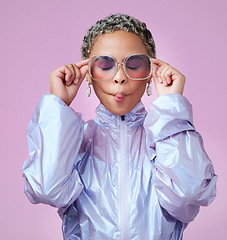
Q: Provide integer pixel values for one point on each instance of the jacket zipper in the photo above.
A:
(123, 171)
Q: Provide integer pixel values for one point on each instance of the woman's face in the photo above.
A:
(120, 94)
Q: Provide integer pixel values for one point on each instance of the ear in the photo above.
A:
(88, 78)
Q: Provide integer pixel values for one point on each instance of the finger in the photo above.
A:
(161, 71)
(82, 63)
(65, 74)
(168, 75)
(165, 74)
(154, 72)
(81, 76)
(158, 66)
(77, 74)
(159, 74)
(81, 70)
(73, 76)
(158, 62)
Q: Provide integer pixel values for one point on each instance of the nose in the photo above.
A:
(120, 82)
(120, 76)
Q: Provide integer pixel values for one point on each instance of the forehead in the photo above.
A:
(118, 44)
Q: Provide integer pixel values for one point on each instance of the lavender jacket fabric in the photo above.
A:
(140, 177)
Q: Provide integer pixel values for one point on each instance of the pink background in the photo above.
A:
(39, 36)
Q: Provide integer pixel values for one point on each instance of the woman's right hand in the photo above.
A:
(66, 80)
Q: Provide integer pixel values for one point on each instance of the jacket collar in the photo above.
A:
(134, 118)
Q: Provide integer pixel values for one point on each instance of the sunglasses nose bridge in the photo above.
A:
(120, 64)
(120, 74)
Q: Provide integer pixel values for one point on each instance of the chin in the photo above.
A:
(120, 108)
(120, 111)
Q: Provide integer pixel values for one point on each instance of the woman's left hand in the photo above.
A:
(167, 79)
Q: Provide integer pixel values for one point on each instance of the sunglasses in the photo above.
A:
(136, 67)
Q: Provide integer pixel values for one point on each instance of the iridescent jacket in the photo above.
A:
(142, 176)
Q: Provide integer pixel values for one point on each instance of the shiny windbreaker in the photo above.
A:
(141, 177)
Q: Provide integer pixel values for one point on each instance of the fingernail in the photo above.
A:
(159, 79)
(76, 81)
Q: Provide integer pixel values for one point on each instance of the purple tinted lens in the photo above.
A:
(102, 67)
(138, 66)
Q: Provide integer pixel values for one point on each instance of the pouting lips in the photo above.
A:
(119, 97)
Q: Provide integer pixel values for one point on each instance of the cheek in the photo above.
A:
(100, 86)
(101, 89)
(138, 87)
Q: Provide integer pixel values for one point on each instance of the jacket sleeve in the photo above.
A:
(184, 177)
(54, 137)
